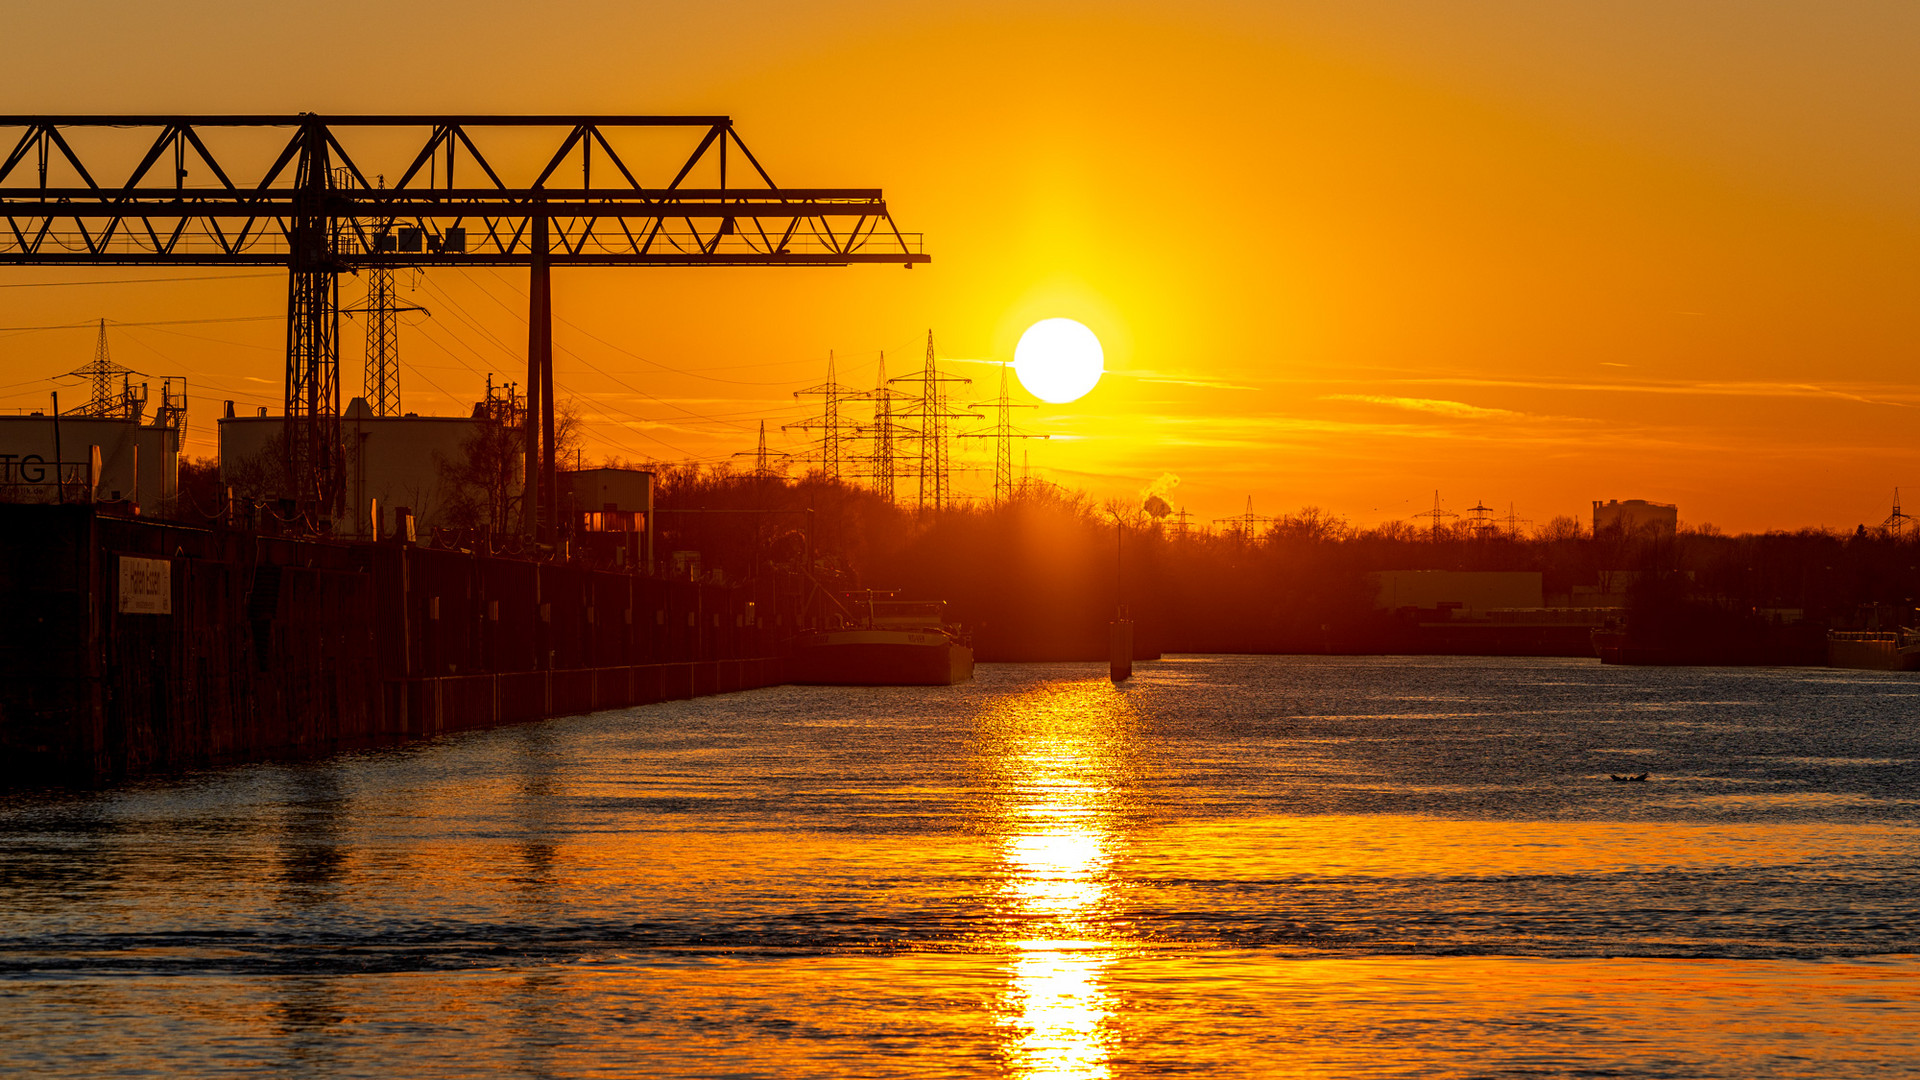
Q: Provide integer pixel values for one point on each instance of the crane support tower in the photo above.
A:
(267, 190)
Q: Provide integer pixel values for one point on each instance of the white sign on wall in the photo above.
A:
(146, 586)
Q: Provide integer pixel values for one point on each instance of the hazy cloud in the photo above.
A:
(1183, 378)
(1437, 406)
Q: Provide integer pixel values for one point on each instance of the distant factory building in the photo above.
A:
(450, 471)
(1635, 517)
(92, 459)
(612, 512)
(1469, 594)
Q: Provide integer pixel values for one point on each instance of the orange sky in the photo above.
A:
(1340, 253)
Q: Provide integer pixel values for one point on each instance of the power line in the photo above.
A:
(158, 322)
(133, 281)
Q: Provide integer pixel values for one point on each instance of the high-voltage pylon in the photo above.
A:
(1480, 519)
(886, 434)
(1436, 514)
(1896, 523)
(1514, 521)
(122, 402)
(380, 385)
(763, 458)
(832, 423)
(1242, 525)
(1002, 433)
(928, 414)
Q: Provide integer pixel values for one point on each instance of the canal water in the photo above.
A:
(1232, 866)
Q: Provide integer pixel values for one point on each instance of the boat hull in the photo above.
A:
(880, 658)
(1870, 652)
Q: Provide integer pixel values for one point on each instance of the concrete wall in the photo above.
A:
(232, 646)
(32, 438)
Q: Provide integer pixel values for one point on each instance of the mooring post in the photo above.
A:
(1120, 631)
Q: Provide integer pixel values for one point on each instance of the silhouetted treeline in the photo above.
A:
(1036, 578)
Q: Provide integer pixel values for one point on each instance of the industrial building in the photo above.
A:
(426, 464)
(105, 459)
(612, 511)
(1635, 517)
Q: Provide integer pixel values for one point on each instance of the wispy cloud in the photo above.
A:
(1865, 395)
(1184, 378)
(1437, 406)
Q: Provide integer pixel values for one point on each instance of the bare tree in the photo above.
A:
(482, 485)
(1562, 528)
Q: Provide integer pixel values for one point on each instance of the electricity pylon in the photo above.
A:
(763, 457)
(886, 434)
(831, 425)
(380, 384)
(1896, 522)
(1002, 433)
(1514, 522)
(929, 413)
(126, 403)
(1244, 523)
(1480, 518)
(1436, 514)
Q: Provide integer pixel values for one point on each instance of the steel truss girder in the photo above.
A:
(154, 218)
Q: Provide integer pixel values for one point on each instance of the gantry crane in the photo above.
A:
(312, 209)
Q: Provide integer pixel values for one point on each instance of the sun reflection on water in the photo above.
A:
(1058, 755)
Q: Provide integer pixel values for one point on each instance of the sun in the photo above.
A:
(1058, 360)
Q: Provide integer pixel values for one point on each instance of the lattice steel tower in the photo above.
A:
(1243, 524)
(887, 434)
(381, 383)
(831, 423)
(1002, 433)
(930, 412)
(763, 458)
(1436, 515)
(125, 403)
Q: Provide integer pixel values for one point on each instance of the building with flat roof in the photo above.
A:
(44, 458)
(450, 471)
(612, 513)
(1635, 517)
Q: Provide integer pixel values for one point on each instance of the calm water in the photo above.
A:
(1232, 866)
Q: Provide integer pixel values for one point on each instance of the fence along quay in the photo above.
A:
(132, 647)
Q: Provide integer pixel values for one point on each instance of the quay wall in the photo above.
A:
(277, 647)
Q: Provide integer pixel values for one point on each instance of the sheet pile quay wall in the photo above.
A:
(281, 647)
